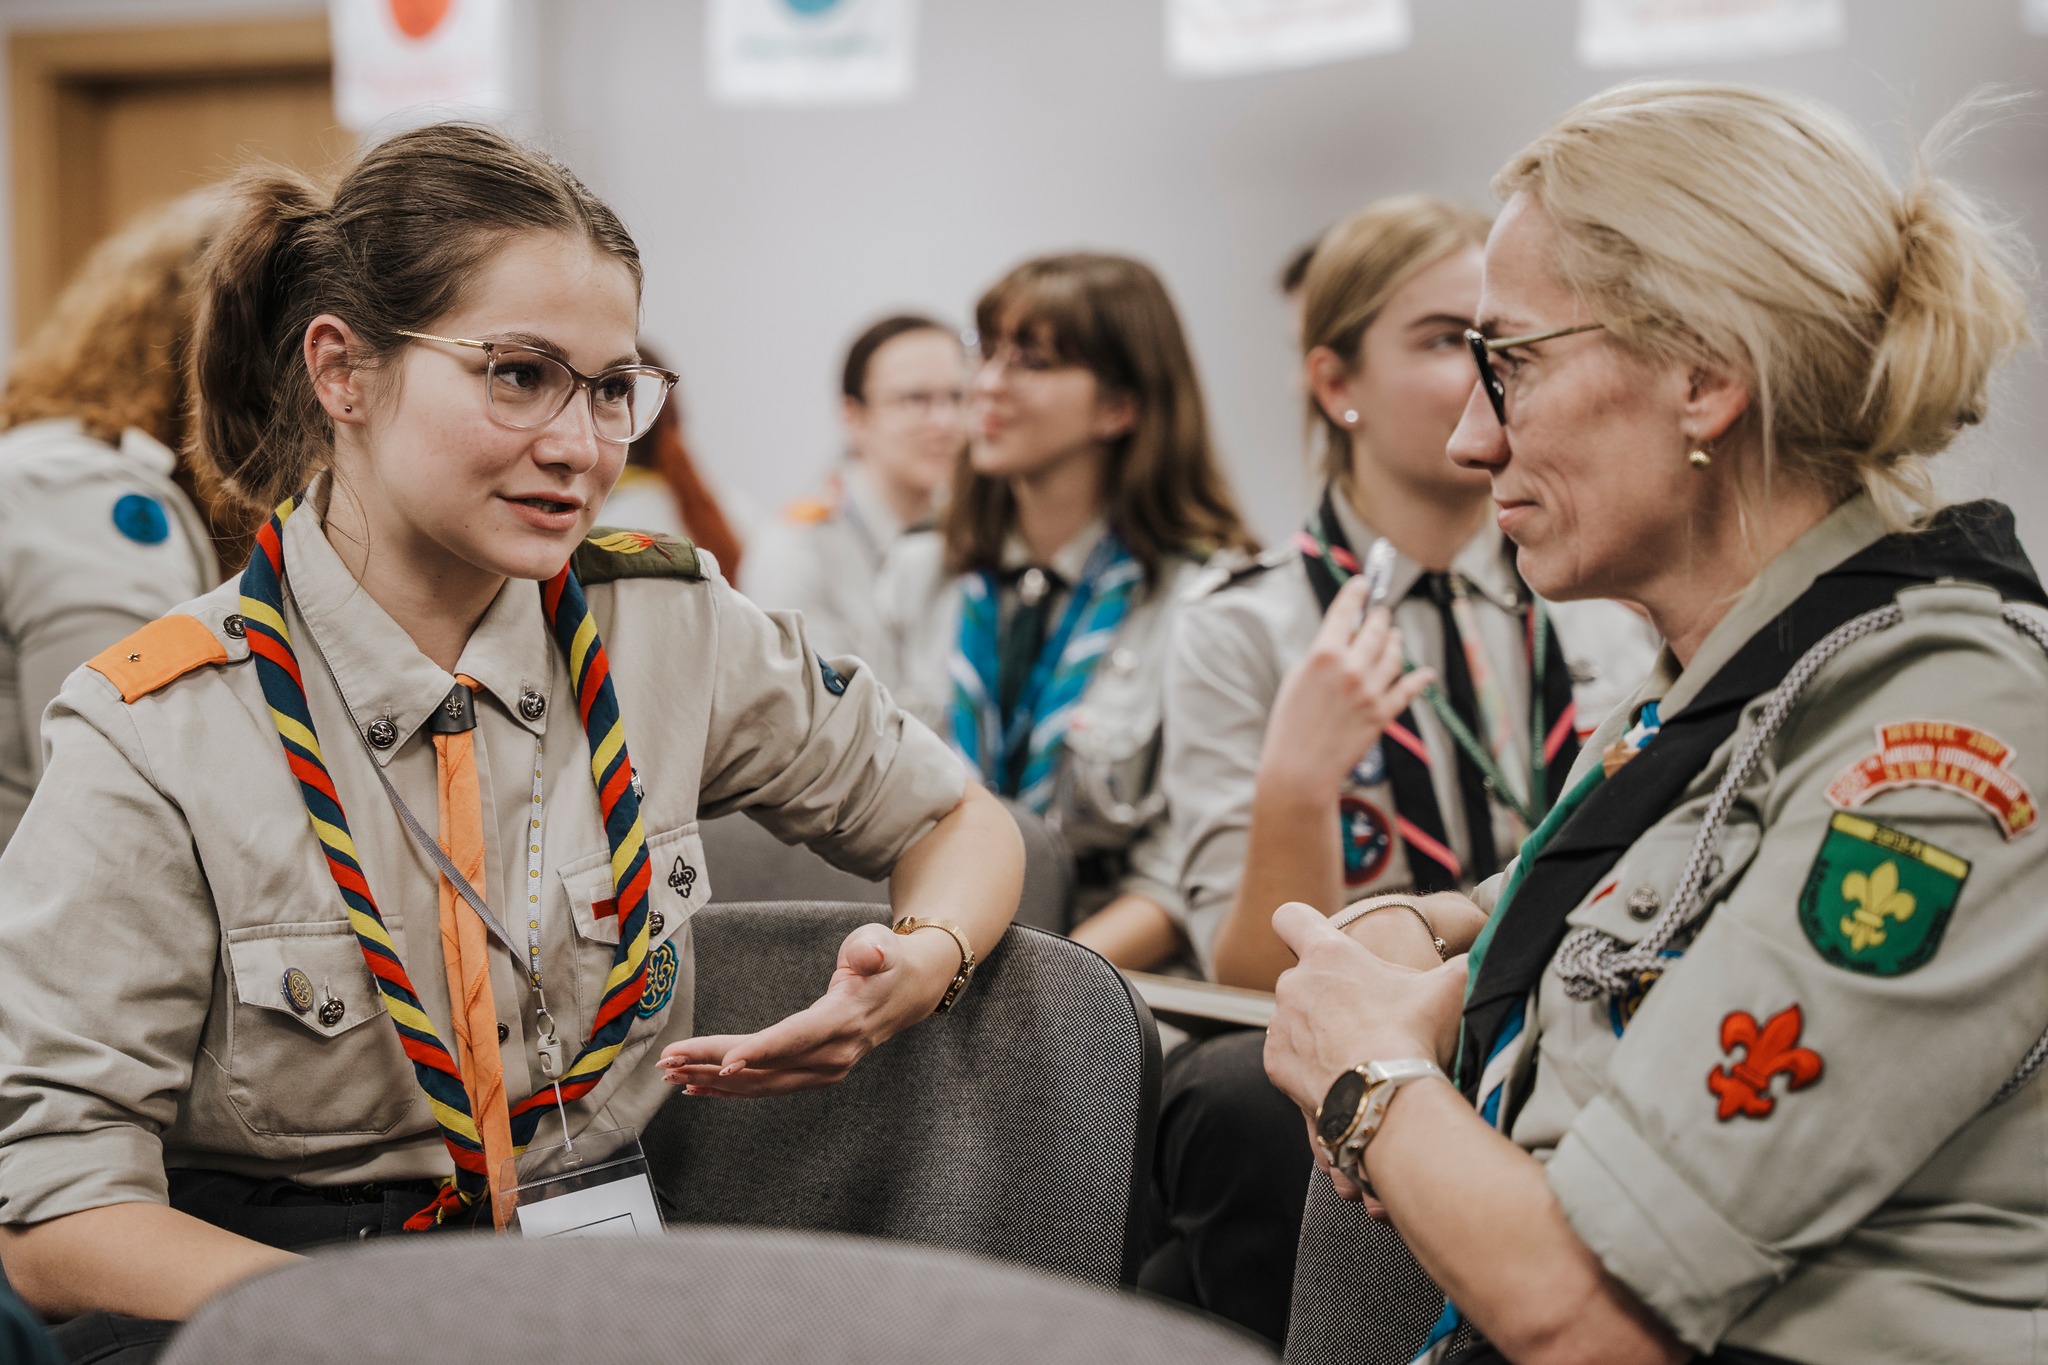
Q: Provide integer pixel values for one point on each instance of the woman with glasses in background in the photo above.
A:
(240, 1012)
(1749, 1046)
(1031, 629)
(902, 405)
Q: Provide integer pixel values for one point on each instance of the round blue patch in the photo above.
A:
(1368, 839)
(661, 980)
(141, 518)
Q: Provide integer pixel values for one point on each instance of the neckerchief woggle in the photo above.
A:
(1095, 611)
(434, 1066)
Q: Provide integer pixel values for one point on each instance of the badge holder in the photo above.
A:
(596, 1185)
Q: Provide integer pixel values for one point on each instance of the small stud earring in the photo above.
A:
(348, 407)
(1699, 459)
(1351, 417)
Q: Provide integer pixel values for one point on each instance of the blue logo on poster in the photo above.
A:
(1368, 839)
(141, 519)
(809, 7)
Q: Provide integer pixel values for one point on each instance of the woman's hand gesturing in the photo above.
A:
(884, 983)
(1337, 702)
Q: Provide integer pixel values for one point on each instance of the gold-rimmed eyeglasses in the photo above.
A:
(525, 389)
(1483, 349)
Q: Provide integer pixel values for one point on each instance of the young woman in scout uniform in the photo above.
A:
(1748, 1047)
(227, 1022)
(902, 402)
(1032, 629)
(1301, 764)
(103, 524)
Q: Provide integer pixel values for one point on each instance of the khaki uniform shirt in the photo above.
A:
(167, 876)
(1107, 795)
(1879, 1209)
(1242, 632)
(95, 540)
(823, 559)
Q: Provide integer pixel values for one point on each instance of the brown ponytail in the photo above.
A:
(390, 250)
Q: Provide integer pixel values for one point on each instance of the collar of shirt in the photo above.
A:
(857, 490)
(1485, 562)
(1852, 527)
(1069, 561)
(381, 672)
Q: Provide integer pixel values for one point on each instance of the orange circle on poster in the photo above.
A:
(418, 18)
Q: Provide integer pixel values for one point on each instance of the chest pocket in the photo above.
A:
(1108, 786)
(679, 884)
(1629, 900)
(310, 1049)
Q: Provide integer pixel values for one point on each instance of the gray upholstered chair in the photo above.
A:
(730, 1296)
(749, 864)
(1359, 1296)
(1018, 1125)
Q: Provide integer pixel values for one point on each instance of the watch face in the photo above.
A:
(1340, 1107)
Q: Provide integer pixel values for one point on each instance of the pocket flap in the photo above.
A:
(678, 884)
(313, 973)
(1629, 899)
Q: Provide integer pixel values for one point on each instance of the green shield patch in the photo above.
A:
(1876, 901)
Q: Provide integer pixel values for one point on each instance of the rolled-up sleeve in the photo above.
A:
(818, 753)
(1874, 978)
(108, 947)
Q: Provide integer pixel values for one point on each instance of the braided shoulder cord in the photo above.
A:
(1593, 964)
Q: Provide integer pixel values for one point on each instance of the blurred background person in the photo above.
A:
(662, 489)
(1301, 764)
(903, 398)
(104, 524)
(1031, 629)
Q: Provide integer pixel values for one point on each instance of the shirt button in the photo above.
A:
(331, 1010)
(532, 705)
(1643, 904)
(235, 626)
(503, 1033)
(655, 923)
(381, 733)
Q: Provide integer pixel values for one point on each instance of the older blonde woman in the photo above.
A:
(1746, 1049)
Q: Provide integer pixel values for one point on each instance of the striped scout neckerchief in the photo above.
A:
(569, 619)
(1087, 627)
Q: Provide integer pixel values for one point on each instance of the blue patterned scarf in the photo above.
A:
(1095, 611)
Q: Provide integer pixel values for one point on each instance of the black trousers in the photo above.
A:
(1231, 1174)
(274, 1212)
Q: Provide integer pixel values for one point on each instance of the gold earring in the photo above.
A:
(1699, 459)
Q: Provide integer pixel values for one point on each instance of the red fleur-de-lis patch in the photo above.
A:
(1771, 1049)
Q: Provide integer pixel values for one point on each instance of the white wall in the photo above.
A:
(771, 236)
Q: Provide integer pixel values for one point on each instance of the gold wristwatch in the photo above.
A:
(1356, 1104)
(967, 959)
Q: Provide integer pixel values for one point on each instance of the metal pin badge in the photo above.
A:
(298, 990)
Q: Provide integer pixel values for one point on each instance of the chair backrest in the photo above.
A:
(1359, 1296)
(1018, 1125)
(736, 1297)
(750, 864)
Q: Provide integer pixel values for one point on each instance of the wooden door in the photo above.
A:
(111, 121)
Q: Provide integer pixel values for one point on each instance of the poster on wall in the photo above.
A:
(433, 58)
(811, 51)
(1230, 37)
(1678, 32)
(2034, 16)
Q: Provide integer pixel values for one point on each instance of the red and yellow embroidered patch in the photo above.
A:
(1937, 753)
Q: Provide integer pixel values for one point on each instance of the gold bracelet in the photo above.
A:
(1352, 914)
(967, 960)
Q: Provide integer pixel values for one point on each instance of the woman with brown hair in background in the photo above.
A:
(662, 490)
(1031, 630)
(104, 522)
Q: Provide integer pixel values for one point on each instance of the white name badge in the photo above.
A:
(596, 1186)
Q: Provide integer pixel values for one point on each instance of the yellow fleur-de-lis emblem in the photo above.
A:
(1877, 898)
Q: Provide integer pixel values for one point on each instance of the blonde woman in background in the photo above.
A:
(1748, 1049)
(103, 523)
(1031, 630)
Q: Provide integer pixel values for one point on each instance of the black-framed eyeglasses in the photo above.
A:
(1482, 355)
(525, 389)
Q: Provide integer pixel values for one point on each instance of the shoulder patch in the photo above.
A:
(161, 652)
(807, 512)
(1937, 753)
(608, 555)
(1876, 901)
(1228, 570)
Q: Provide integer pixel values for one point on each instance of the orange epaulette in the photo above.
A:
(163, 651)
(808, 511)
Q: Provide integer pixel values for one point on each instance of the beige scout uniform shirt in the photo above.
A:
(827, 567)
(167, 875)
(72, 581)
(1242, 632)
(1107, 798)
(1880, 1212)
